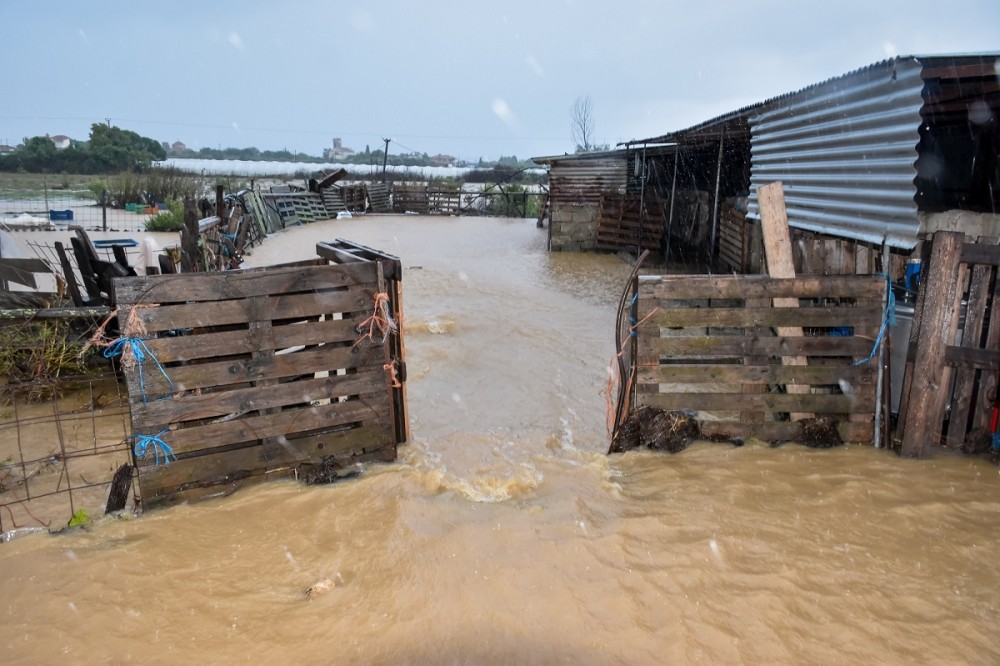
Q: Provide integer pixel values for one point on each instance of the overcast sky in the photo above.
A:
(466, 78)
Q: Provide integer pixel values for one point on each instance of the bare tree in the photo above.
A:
(582, 124)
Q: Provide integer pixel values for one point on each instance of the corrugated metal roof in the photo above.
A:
(845, 151)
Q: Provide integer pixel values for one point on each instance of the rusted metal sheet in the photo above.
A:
(260, 372)
(584, 180)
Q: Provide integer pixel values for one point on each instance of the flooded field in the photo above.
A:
(505, 535)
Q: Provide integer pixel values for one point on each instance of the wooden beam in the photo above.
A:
(939, 322)
(778, 251)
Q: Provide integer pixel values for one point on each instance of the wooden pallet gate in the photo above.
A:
(959, 275)
(709, 344)
(264, 372)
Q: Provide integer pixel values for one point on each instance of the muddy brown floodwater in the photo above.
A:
(504, 535)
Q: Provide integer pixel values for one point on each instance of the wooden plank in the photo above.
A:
(961, 400)
(263, 308)
(243, 370)
(239, 467)
(989, 379)
(248, 430)
(730, 346)
(940, 296)
(832, 375)
(207, 345)
(778, 251)
(784, 319)
(981, 253)
(700, 287)
(243, 283)
(236, 402)
(817, 403)
(21, 270)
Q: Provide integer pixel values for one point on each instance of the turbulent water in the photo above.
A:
(504, 535)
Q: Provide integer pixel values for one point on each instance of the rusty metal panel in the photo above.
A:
(846, 152)
(585, 180)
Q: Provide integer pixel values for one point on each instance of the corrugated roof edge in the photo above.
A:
(745, 111)
(593, 155)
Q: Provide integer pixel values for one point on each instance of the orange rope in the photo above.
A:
(613, 378)
(379, 320)
(391, 369)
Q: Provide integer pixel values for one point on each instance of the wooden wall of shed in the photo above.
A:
(575, 189)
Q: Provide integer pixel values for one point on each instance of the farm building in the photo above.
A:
(885, 154)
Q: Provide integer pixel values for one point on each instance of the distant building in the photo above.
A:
(6, 150)
(61, 141)
(178, 147)
(444, 160)
(338, 152)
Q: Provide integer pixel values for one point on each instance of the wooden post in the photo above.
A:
(189, 238)
(778, 251)
(939, 322)
(220, 204)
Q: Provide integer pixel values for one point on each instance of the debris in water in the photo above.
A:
(328, 471)
(320, 588)
(819, 433)
(656, 429)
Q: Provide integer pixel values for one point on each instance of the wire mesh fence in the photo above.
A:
(21, 211)
(60, 450)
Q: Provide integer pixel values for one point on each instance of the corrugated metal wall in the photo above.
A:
(845, 151)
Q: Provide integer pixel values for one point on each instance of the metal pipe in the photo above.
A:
(642, 201)
(879, 389)
(670, 217)
(715, 203)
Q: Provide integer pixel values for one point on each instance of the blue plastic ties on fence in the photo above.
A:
(139, 352)
(631, 316)
(888, 319)
(143, 442)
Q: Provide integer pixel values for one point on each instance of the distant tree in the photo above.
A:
(114, 149)
(582, 124)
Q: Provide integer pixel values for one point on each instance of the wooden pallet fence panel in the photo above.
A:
(262, 370)
(959, 292)
(712, 344)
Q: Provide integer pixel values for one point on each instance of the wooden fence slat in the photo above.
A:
(249, 430)
(818, 403)
(780, 317)
(198, 406)
(965, 377)
(729, 346)
(244, 283)
(778, 251)
(200, 315)
(760, 286)
(228, 343)
(213, 473)
(940, 296)
(756, 374)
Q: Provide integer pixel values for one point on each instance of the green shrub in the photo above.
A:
(168, 220)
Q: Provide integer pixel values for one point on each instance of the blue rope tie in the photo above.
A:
(139, 352)
(143, 442)
(631, 316)
(888, 319)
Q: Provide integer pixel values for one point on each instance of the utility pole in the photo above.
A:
(385, 157)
